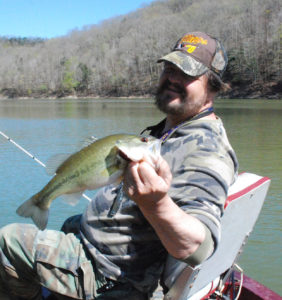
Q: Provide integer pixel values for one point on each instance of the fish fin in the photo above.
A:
(155, 152)
(54, 163)
(29, 210)
(90, 140)
(72, 199)
(157, 147)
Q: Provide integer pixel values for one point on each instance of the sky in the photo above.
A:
(54, 18)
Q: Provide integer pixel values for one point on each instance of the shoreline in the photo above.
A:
(267, 91)
(73, 97)
(234, 96)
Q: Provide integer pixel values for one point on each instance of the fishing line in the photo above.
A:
(31, 156)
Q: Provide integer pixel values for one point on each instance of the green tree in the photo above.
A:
(84, 80)
(69, 83)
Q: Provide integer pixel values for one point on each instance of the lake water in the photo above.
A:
(48, 127)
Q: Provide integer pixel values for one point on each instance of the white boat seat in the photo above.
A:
(244, 203)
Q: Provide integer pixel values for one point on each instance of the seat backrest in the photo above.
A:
(244, 203)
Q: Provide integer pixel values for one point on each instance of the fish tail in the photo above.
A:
(30, 210)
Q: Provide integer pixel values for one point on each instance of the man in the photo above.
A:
(118, 251)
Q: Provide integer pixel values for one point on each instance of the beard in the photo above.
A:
(185, 106)
(163, 99)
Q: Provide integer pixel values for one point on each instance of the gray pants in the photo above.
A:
(31, 258)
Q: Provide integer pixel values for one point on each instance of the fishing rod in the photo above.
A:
(31, 156)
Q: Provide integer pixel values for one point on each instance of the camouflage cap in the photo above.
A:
(197, 52)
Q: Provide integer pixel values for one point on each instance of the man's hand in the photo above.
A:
(146, 184)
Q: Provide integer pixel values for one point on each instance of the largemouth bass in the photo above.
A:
(99, 164)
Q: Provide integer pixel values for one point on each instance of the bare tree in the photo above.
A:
(118, 57)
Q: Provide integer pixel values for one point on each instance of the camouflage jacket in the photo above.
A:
(125, 246)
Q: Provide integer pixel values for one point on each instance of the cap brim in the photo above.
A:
(185, 62)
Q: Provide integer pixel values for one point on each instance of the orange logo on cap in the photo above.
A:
(192, 39)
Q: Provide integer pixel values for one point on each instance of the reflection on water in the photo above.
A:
(48, 127)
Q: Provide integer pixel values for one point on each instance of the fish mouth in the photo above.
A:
(122, 155)
(145, 146)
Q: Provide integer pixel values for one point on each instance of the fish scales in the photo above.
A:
(94, 166)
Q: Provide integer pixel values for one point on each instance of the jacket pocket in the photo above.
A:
(64, 269)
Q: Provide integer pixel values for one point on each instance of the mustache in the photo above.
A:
(168, 85)
(162, 98)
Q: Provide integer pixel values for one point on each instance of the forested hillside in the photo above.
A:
(118, 57)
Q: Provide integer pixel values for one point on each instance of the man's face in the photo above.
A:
(179, 94)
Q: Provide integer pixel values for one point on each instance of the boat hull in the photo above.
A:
(253, 290)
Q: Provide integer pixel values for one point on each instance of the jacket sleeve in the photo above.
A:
(203, 165)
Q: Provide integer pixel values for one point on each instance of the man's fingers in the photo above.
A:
(163, 170)
(146, 173)
(145, 183)
(131, 177)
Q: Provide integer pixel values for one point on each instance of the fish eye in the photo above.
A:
(144, 139)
